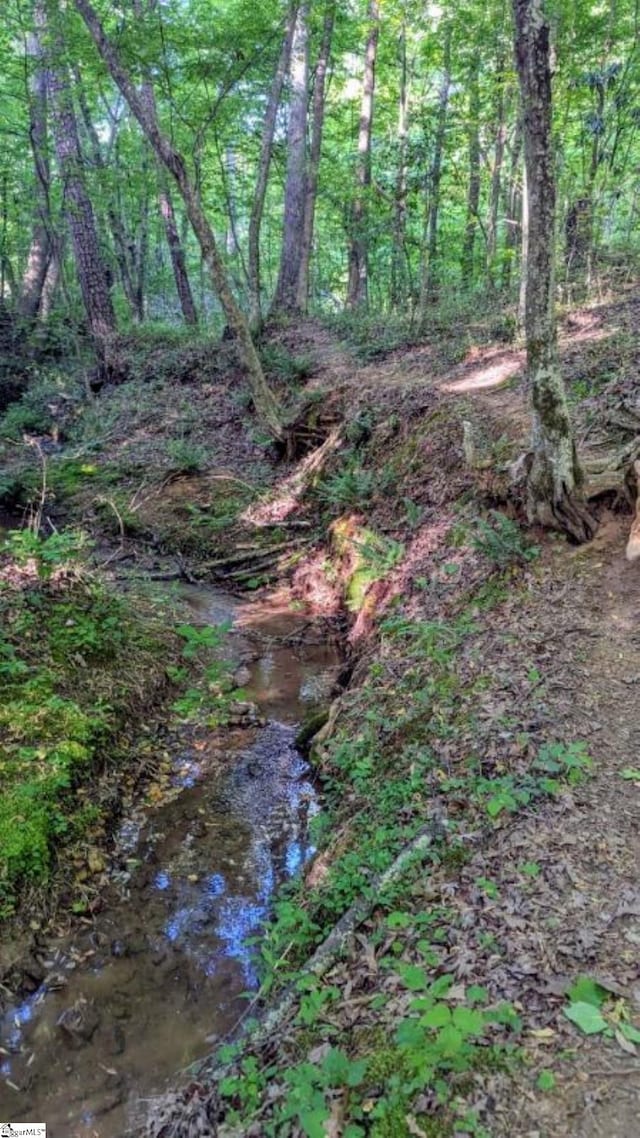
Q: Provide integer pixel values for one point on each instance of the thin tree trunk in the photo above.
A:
(398, 261)
(264, 165)
(40, 250)
(358, 283)
(317, 127)
(91, 270)
(429, 272)
(286, 295)
(51, 283)
(121, 241)
(524, 245)
(473, 191)
(495, 195)
(554, 476)
(176, 251)
(513, 209)
(263, 398)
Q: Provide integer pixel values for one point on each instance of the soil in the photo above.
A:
(575, 623)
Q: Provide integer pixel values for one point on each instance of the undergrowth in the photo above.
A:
(400, 761)
(77, 661)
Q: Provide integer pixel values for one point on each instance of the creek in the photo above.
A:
(147, 985)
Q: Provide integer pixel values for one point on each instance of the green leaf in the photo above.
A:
(587, 991)
(631, 773)
(313, 1122)
(476, 994)
(450, 1041)
(586, 1017)
(468, 1021)
(546, 1081)
(630, 1032)
(414, 978)
(437, 1016)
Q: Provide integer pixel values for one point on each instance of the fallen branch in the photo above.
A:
(325, 955)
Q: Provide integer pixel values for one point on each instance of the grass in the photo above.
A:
(77, 662)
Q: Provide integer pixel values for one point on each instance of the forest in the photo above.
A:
(319, 529)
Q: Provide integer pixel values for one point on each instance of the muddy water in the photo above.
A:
(144, 988)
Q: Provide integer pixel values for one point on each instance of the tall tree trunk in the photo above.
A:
(264, 165)
(513, 209)
(286, 295)
(473, 191)
(40, 249)
(399, 260)
(358, 284)
(500, 142)
(524, 245)
(176, 251)
(317, 128)
(121, 242)
(167, 213)
(91, 270)
(554, 476)
(263, 398)
(429, 268)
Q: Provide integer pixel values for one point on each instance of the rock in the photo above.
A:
(79, 1023)
(241, 677)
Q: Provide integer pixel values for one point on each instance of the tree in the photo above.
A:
(90, 266)
(554, 476)
(41, 248)
(358, 285)
(263, 398)
(264, 165)
(317, 127)
(286, 297)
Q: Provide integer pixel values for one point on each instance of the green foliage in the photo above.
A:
(349, 488)
(186, 457)
(283, 366)
(501, 540)
(74, 659)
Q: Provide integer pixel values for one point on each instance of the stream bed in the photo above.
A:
(145, 987)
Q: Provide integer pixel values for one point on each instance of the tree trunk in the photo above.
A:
(524, 247)
(554, 476)
(121, 242)
(317, 127)
(399, 259)
(264, 165)
(286, 295)
(429, 273)
(91, 270)
(513, 210)
(176, 251)
(358, 284)
(496, 173)
(40, 250)
(264, 401)
(473, 191)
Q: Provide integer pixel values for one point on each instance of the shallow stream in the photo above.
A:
(145, 987)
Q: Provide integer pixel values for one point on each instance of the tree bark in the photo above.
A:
(90, 267)
(176, 251)
(500, 142)
(554, 475)
(512, 208)
(286, 294)
(429, 272)
(399, 259)
(264, 165)
(263, 398)
(317, 128)
(41, 247)
(358, 283)
(473, 190)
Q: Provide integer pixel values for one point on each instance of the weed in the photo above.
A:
(501, 540)
(186, 457)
